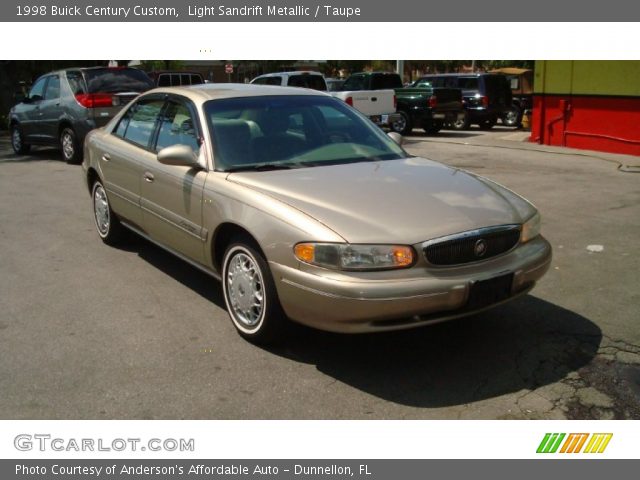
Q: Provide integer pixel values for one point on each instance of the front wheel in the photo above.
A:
(250, 293)
(403, 124)
(109, 227)
(69, 146)
(20, 147)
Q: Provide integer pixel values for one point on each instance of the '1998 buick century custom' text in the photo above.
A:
(305, 210)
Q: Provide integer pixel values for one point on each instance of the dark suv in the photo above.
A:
(486, 96)
(63, 106)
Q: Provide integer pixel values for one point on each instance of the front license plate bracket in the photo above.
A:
(484, 293)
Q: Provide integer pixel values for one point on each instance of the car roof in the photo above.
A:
(295, 72)
(212, 91)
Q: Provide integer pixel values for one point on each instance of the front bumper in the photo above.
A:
(427, 295)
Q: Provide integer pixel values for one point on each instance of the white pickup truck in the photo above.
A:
(377, 104)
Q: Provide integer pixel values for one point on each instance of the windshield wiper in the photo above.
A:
(265, 167)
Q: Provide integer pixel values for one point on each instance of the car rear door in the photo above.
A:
(171, 196)
(124, 157)
(50, 111)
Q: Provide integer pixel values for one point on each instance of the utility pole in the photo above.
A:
(400, 69)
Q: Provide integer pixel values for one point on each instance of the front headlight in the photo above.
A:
(530, 229)
(344, 256)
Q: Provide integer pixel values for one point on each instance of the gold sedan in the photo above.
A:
(305, 210)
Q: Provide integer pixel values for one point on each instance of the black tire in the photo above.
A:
(487, 124)
(462, 124)
(20, 147)
(69, 146)
(513, 118)
(250, 293)
(107, 223)
(404, 125)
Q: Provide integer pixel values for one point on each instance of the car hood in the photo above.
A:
(403, 201)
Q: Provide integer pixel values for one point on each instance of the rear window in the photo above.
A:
(117, 80)
(385, 82)
(315, 82)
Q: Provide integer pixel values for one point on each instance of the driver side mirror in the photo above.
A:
(396, 137)
(180, 155)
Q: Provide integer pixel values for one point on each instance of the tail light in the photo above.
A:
(433, 101)
(349, 101)
(94, 100)
(395, 102)
(484, 101)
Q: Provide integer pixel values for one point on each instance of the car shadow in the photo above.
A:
(204, 285)
(37, 154)
(524, 344)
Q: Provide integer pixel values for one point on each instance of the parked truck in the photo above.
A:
(423, 107)
(373, 98)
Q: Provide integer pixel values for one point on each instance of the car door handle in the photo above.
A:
(148, 176)
(106, 157)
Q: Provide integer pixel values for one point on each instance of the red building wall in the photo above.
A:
(588, 112)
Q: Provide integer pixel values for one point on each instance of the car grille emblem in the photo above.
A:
(480, 248)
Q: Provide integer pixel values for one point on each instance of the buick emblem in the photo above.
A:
(480, 248)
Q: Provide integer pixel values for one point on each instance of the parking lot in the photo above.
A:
(90, 331)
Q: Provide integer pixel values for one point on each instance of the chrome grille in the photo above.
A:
(471, 246)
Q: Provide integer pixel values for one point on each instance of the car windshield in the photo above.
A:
(292, 131)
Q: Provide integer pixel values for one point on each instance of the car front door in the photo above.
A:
(30, 114)
(171, 196)
(126, 154)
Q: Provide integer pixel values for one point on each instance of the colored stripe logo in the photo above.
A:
(574, 443)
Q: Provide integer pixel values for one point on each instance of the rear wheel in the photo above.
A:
(69, 146)
(109, 227)
(462, 123)
(403, 125)
(20, 147)
(512, 118)
(250, 293)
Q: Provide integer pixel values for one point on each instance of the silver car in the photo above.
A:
(305, 210)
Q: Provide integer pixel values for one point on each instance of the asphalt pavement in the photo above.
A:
(94, 332)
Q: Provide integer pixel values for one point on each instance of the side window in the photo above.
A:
(185, 79)
(452, 82)
(53, 88)
(177, 127)
(273, 81)
(142, 121)
(121, 129)
(354, 83)
(196, 79)
(164, 80)
(260, 81)
(37, 91)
